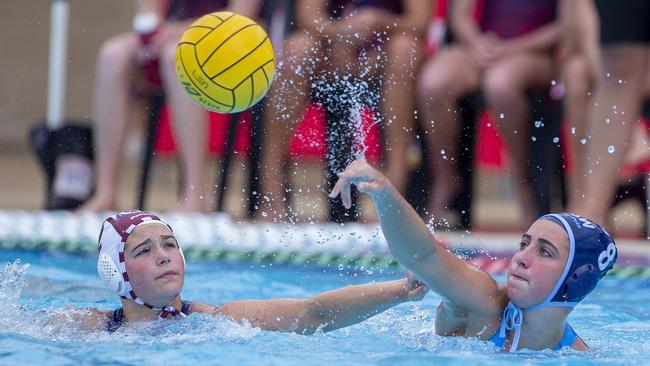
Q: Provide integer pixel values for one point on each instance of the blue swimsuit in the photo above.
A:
(568, 338)
(116, 318)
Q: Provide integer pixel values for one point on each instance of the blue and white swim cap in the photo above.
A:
(592, 252)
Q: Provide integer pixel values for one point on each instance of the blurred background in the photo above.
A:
(24, 49)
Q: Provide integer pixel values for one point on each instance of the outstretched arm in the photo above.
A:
(415, 247)
(330, 310)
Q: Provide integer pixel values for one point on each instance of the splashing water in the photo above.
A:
(12, 284)
(615, 322)
(346, 99)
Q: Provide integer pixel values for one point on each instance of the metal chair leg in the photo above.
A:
(257, 139)
(227, 160)
(156, 102)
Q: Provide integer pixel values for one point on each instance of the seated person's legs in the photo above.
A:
(190, 128)
(284, 107)
(404, 54)
(617, 107)
(506, 83)
(445, 79)
(113, 84)
(575, 75)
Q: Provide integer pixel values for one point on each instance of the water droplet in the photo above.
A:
(539, 124)
(583, 141)
(533, 138)
(608, 121)
(501, 115)
(611, 149)
(573, 130)
(264, 214)
(556, 140)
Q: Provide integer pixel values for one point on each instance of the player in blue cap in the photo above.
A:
(560, 260)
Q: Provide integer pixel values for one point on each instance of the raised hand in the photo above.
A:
(364, 176)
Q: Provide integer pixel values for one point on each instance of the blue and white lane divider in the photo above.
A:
(217, 237)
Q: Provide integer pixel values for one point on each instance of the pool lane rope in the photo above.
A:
(215, 237)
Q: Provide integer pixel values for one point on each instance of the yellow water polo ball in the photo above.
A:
(224, 61)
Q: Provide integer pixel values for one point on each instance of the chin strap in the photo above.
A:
(165, 312)
(168, 311)
(513, 317)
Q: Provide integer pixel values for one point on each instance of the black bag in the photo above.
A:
(66, 156)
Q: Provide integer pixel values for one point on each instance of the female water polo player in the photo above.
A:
(141, 260)
(560, 260)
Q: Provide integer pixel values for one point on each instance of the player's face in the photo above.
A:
(154, 264)
(535, 269)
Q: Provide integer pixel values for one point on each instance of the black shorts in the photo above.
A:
(624, 21)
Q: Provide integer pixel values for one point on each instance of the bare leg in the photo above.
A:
(506, 83)
(398, 105)
(445, 79)
(617, 108)
(114, 76)
(191, 128)
(284, 107)
(576, 105)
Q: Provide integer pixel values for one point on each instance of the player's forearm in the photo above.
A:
(414, 246)
(408, 238)
(352, 304)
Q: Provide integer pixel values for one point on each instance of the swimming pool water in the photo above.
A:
(615, 319)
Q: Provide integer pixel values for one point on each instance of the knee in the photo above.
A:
(435, 83)
(116, 54)
(500, 88)
(402, 51)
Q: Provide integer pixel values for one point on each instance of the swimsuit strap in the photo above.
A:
(186, 307)
(116, 317)
(115, 320)
(568, 338)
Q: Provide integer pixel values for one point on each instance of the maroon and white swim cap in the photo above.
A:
(112, 239)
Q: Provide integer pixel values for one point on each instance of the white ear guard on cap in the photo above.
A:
(109, 273)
